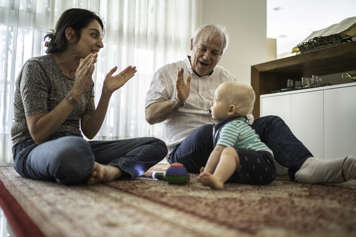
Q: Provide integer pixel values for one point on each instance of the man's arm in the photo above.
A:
(159, 111)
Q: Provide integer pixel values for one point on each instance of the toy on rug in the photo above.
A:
(175, 174)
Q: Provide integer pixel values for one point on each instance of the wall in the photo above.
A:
(245, 22)
(271, 49)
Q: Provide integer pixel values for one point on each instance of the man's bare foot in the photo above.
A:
(104, 173)
(210, 180)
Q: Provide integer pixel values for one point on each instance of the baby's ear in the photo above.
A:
(233, 109)
(239, 110)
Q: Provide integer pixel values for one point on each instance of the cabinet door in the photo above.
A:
(340, 122)
(307, 120)
(303, 113)
(276, 105)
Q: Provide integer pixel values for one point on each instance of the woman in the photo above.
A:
(54, 105)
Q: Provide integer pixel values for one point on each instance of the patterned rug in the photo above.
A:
(155, 208)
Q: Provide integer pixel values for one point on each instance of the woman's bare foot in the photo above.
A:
(104, 173)
(210, 180)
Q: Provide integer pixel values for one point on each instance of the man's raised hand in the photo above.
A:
(183, 88)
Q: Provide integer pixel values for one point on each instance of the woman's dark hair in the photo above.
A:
(75, 18)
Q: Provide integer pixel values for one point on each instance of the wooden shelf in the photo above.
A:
(273, 75)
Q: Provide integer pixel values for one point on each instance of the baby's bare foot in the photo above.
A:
(210, 180)
(104, 173)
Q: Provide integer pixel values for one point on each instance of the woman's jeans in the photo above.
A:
(288, 151)
(70, 159)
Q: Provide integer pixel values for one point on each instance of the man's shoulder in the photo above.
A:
(222, 72)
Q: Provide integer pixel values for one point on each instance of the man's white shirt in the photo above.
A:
(195, 111)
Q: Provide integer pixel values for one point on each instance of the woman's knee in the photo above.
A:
(160, 147)
(72, 146)
(74, 162)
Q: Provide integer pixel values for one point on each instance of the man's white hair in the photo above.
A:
(213, 30)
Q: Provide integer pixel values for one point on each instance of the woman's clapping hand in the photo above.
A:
(114, 82)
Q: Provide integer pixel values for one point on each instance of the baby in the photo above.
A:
(239, 155)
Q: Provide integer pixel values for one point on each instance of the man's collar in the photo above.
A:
(191, 71)
(189, 65)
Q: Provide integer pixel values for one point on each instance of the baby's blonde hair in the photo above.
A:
(239, 94)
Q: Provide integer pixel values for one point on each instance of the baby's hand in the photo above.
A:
(202, 169)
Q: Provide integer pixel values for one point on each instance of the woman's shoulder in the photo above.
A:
(44, 59)
(37, 67)
(40, 63)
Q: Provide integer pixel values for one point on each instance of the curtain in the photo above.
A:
(143, 33)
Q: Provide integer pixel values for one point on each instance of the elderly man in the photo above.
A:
(183, 105)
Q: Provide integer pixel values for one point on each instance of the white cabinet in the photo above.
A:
(324, 119)
(340, 122)
(276, 105)
(307, 120)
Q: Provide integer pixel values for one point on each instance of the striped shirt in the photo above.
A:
(238, 134)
